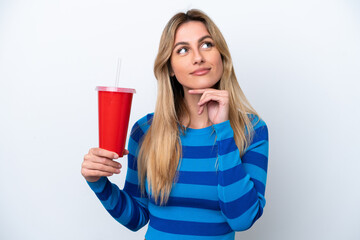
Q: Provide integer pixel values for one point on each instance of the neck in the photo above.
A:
(196, 120)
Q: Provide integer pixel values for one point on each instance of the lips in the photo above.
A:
(200, 71)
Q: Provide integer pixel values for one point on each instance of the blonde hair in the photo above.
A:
(160, 151)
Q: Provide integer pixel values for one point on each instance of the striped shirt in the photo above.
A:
(215, 193)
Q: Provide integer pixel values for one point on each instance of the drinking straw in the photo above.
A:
(118, 72)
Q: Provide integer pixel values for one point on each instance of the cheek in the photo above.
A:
(220, 66)
(179, 67)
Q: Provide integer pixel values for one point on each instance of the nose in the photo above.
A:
(198, 58)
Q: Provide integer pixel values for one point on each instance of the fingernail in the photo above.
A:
(116, 156)
(117, 170)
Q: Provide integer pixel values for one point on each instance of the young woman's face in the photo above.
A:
(195, 60)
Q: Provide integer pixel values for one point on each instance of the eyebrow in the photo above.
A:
(186, 43)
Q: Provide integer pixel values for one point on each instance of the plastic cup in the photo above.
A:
(114, 114)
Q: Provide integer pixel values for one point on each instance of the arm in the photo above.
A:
(127, 206)
(241, 181)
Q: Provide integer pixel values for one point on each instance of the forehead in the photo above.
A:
(190, 31)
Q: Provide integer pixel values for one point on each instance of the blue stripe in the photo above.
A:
(189, 228)
(136, 132)
(195, 191)
(231, 175)
(236, 190)
(261, 147)
(226, 146)
(132, 189)
(132, 162)
(260, 187)
(255, 172)
(255, 159)
(258, 215)
(190, 202)
(236, 208)
(201, 165)
(135, 216)
(119, 207)
(149, 118)
(132, 176)
(187, 214)
(260, 134)
(199, 151)
(256, 124)
(133, 146)
(152, 233)
(203, 178)
(106, 192)
(229, 160)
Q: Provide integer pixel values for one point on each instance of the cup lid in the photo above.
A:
(115, 89)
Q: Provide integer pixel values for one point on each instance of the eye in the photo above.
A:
(207, 45)
(182, 50)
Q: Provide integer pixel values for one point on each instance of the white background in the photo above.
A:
(297, 61)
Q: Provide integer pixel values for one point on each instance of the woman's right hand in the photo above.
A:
(98, 163)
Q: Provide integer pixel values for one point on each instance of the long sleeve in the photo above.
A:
(241, 181)
(127, 206)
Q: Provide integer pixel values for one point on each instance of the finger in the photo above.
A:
(211, 97)
(219, 96)
(204, 90)
(103, 153)
(196, 91)
(126, 152)
(100, 167)
(101, 160)
(95, 173)
(212, 92)
(201, 109)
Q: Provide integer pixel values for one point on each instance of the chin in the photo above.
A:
(200, 87)
(200, 83)
(206, 85)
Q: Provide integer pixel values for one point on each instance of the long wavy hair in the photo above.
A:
(160, 151)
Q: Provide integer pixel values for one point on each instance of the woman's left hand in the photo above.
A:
(217, 103)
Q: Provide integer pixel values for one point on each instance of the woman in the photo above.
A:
(197, 165)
